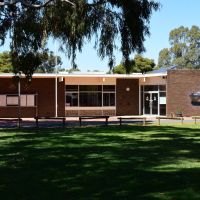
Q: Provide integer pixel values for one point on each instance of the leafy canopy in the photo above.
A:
(184, 48)
(5, 62)
(138, 65)
(46, 62)
(31, 22)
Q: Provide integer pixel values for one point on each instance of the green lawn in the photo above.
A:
(130, 162)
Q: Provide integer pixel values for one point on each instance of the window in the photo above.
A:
(109, 88)
(90, 99)
(109, 99)
(30, 100)
(72, 99)
(151, 88)
(26, 100)
(90, 88)
(12, 100)
(90, 95)
(71, 87)
(2, 100)
(109, 95)
(23, 100)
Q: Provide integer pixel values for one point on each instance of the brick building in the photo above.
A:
(49, 95)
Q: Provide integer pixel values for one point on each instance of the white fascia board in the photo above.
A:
(138, 75)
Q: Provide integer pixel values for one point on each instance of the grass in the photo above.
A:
(131, 162)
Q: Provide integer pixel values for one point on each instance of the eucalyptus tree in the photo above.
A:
(139, 64)
(30, 23)
(184, 48)
(47, 62)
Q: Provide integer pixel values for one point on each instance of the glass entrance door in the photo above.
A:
(150, 103)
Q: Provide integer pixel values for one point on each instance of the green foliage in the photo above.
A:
(184, 49)
(5, 62)
(71, 70)
(49, 62)
(45, 62)
(143, 65)
(138, 65)
(30, 27)
(119, 69)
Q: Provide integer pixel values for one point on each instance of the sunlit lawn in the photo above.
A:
(130, 162)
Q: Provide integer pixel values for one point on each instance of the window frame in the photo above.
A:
(102, 92)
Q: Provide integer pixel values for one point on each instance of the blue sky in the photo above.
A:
(172, 14)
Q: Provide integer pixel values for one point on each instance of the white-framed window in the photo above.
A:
(26, 100)
(90, 95)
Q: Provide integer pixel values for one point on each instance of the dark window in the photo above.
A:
(151, 88)
(109, 88)
(71, 87)
(90, 88)
(72, 99)
(162, 109)
(109, 99)
(162, 94)
(90, 99)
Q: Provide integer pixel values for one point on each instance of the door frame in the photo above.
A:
(158, 105)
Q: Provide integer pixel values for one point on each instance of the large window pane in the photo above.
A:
(72, 99)
(90, 88)
(90, 99)
(108, 99)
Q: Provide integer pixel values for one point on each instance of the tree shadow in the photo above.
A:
(127, 162)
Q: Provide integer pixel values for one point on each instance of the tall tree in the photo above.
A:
(32, 22)
(5, 62)
(46, 62)
(184, 48)
(49, 62)
(138, 65)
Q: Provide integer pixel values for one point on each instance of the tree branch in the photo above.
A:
(25, 3)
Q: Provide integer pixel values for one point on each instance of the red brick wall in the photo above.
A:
(127, 101)
(44, 87)
(180, 84)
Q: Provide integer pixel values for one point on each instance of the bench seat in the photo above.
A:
(122, 118)
(93, 117)
(195, 118)
(170, 118)
(54, 118)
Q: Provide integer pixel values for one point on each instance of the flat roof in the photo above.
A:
(53, 75)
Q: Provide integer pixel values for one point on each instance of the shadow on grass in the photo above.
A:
(128, 162)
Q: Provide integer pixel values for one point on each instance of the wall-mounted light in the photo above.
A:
(144, 79)
(127, 89)
(60, 79)
(104, 80)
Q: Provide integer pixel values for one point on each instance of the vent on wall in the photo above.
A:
(195, 98)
